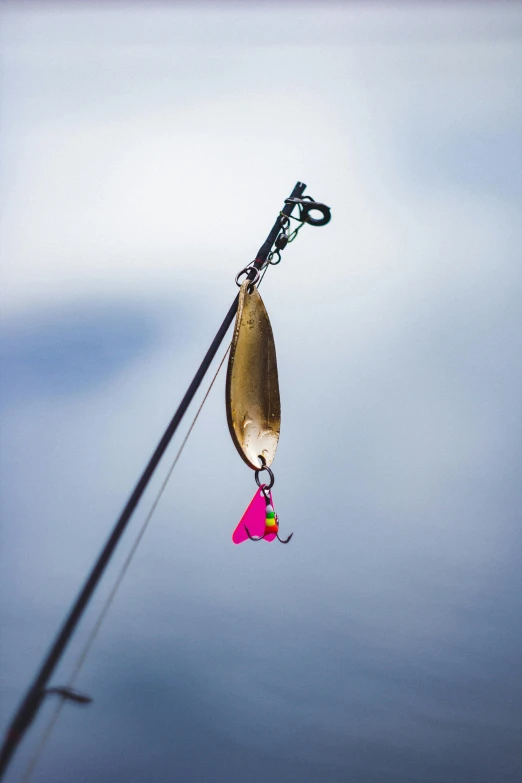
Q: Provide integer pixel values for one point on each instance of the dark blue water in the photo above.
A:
(383, 644)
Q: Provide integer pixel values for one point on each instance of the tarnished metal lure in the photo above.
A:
(254, 417)
(254, 410)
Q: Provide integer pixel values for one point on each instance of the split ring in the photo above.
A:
(246, 271)
(272, 479)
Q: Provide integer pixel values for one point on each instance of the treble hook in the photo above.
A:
(260, 538)
(265, 489)
(254, 538)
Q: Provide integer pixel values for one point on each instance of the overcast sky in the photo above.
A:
(145, 152)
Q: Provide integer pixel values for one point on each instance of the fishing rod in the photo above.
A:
(247, 279)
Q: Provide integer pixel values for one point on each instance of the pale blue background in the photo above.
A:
(145, 152)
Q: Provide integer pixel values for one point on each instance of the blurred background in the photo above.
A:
(146, 150)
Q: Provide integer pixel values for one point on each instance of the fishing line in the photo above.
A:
(39, 689)
(110, 598)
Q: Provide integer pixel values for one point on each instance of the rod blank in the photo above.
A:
(38, 689)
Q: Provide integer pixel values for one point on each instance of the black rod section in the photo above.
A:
(37, 691)
(265, 248)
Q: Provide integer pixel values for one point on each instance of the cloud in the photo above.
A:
(73, 349)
